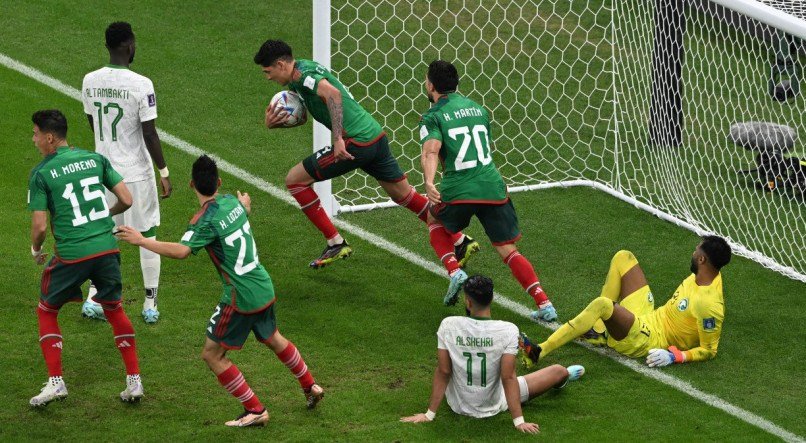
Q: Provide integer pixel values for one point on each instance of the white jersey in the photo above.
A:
(119, 100)
(476, 347)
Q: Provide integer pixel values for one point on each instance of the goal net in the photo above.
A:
(633, 97)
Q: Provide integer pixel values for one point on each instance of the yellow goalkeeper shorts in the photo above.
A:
(644, 333)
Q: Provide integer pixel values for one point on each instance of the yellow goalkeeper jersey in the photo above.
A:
(692, 319)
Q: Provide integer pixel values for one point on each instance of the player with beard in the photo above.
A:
(686, 329)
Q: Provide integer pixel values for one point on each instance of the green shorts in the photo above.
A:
(373, 157)
(230, 329)
(61, 280)
(499, 221)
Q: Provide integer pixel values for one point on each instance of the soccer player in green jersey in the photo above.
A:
(69, 184)
(247, 300)
(456, 132)
(358, 142)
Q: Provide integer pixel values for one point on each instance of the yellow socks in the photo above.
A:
(599, 309)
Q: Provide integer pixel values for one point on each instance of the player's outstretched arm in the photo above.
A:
(442, 376)
(154, 146)
(246, 201)
(124, 198)
(332, 98)
(166, 249)
(513, 395)
(39, 230)
(429, 160)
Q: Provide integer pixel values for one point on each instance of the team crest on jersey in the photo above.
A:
(709, 324)
(152, 100)
(683, 305)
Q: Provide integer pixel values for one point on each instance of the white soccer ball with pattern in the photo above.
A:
(292, 104)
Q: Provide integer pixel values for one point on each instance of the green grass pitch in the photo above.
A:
(365, 326)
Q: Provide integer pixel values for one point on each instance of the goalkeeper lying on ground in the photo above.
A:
(685, 329)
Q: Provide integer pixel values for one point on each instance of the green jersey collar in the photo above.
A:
(481, 318)
(110, 65)
(63, 148)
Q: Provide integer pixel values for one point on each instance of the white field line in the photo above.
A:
(416, 259)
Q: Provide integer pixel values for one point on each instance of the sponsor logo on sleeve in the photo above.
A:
(188, 235)
(152, 100)
(423, 132)
(309, 82)
(709, 324)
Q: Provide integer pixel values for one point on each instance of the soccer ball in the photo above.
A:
(292, 104)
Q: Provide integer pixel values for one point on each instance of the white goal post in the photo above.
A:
(636, 98)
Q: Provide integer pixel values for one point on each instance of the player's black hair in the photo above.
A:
(52, 121)
(717, 250)
(271, 51)
(205, 175)
(117, 34)
(480, 289)
(443, 75)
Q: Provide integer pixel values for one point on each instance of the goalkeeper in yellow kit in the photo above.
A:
(685, 329)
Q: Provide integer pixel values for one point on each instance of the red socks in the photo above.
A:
(50, 339)
(124, 337)
(309, 202)
(416, 203)
(232, 380)
(443, 245)
(292, 359)
(525, 273)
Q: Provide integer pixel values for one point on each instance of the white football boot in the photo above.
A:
(54, 389)
(134, 389)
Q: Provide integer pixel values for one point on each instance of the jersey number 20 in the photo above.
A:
(482, 146)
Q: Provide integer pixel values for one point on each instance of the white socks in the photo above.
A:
(335, 240)
(150, 264)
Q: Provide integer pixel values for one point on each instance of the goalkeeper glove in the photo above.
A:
(661, 357)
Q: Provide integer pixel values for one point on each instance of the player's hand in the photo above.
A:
(39, 256)
(129, 235)
(340, 151)
(417, 418)
(167, 188)
(245, 200)
(659, 357)
(276, 117)
(528, 428)
(433, 194)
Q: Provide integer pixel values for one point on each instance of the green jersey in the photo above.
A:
(469, 174)
(70, 185)
(358, 124)
(222, 227)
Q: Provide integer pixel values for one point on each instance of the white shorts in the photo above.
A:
(524, 389)
(145, 211)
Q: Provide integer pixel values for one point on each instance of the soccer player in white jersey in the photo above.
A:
(476, 364)
(121, 108)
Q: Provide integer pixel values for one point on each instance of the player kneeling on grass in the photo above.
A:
(476, 368)
(247, 301)
(70, 184)
(685, 329)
